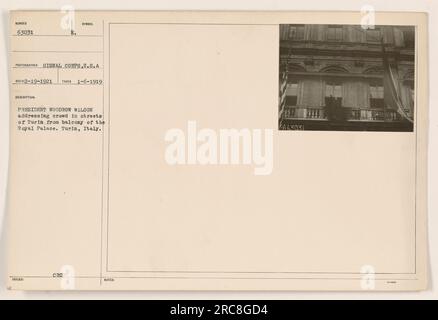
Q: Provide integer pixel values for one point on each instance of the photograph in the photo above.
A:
(346, 77)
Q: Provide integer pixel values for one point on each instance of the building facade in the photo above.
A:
(331, 77)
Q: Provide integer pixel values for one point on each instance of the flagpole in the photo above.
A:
(286, 73)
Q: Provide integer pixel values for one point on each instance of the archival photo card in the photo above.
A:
(347, 77)
(146, 152)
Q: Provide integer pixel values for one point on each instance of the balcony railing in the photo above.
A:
(361, 114)
(349, 114)
(316, 113)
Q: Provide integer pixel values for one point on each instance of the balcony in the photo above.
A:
(362, 114)
(345, 114)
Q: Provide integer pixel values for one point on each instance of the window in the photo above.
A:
(373, 35)
(376, 96)
(296, 32)
(334, 33)
(292, 94)
(333, 101)
(333, 90)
